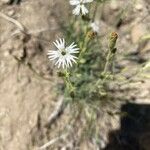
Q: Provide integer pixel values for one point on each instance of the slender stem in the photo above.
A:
(84, 46)
(110, 55)
(107, 62)
(69, 85)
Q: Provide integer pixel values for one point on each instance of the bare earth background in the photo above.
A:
(26, 101)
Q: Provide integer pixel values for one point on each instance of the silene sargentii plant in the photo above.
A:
(82, 62)
(85, 66)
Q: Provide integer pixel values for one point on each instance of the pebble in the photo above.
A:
(139, 7)
(6, 53)
(114, 5)
(127, 37)
(11, 13)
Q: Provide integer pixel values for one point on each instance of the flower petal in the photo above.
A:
(74, 2)
(76, 10)
(87, 1)
(60, 44)
(72, 48)
(84, 10)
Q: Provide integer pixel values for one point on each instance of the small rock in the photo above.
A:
(114, 5)
(6, 53)
(139, 7)
(11, 13)
(127, 37)
(102, 143)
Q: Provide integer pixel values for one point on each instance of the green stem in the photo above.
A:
(107, 62)
(84, 45)
(69, 85)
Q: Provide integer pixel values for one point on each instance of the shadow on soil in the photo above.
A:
(134, 133)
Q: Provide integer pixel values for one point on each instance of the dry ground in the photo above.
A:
(26, 100)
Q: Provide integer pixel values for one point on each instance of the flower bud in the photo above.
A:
(91, 34)
(112, 41)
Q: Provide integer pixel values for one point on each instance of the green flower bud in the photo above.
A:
(112, 41)
(91, 34)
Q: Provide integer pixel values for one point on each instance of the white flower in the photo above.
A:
(63, 56)
(80, 6)
(95, 26)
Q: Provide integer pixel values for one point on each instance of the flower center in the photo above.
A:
(63, 52)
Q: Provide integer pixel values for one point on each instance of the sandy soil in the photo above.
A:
(26, 100)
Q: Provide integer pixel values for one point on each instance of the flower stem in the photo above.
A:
(112, 50)
(107, 62)
(69, 85)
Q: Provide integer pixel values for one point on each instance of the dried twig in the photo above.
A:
(17, 23)
(22, 29)
(58, 110)
(52, 142)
